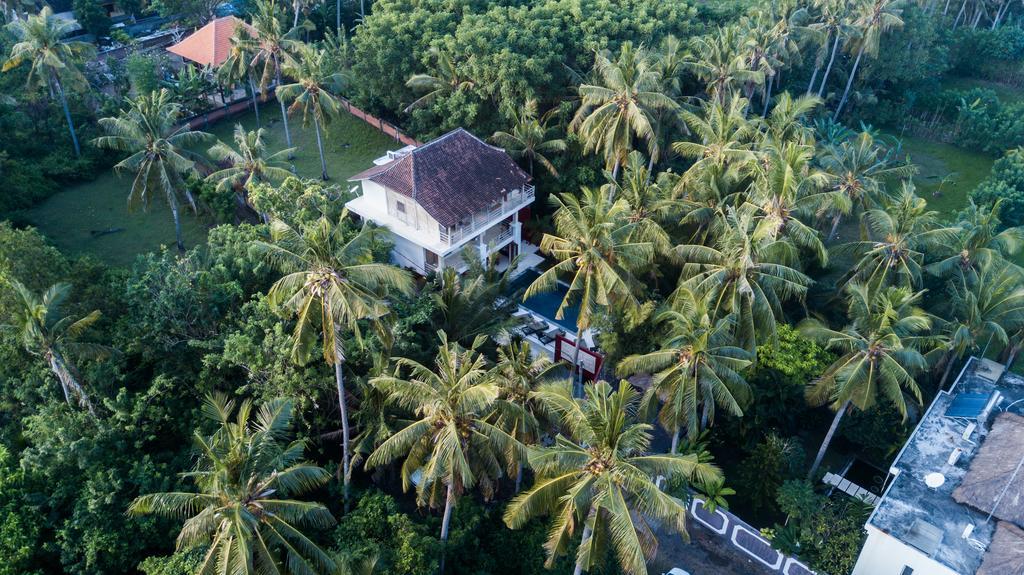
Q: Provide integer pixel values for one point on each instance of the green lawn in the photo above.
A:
(69, 217)
(1007, 94)
(947, 174)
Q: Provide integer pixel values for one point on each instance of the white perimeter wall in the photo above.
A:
(886, 555)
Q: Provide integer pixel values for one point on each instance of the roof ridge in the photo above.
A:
(440, 138)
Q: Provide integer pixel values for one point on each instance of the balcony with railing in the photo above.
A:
(482, 220)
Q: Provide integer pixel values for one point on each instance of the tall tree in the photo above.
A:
(695, 369)
(650, 203)
(981, 240)
(450, 446)
(313, 92)
(619, 111)
(445, 80)
(834, 25)
(46, 332)
(159, 148)
(594, 250)
(238, 67)
(530, 139)
(331, 284)
(271, 49)
(597, 478)
(880, 354)
(246, 473)
(876, 17)
(52, 61)
(718, 62)
(474, 303)
(247, 163)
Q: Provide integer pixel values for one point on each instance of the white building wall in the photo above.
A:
(883, 554)
(406, 254)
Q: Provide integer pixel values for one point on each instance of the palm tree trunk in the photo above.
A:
(519, 476)
(68, 383)
(675, 439)
(320, 146)
(835, 228)
(55, 368)
(814, 76)
(945, 373)
(449, 504)
(255, 101)
(767, 96)
(177, 226)
(337, 16)
(828, 69)
(849, 82)
(295, 22)
(828, 438)
(615, 178)
(67, 116)
(339, 380)
(586, 535)
(362, 11)
(284, 112)
(576, 361)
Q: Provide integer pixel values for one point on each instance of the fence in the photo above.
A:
(385, 127)
(746, 539)
(206, 118)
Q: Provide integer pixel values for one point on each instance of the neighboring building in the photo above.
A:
(955, 497)
(211, 44)
(439, 199)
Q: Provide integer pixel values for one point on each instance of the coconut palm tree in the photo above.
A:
(238, 67)
(246, 474)
(530, 139)
(724, 138)
(598, 479)
(650, 203)
(695, 369)
(445, 80)
(857, 171)
(980, 241)
(248, 163)
(46, 332)
(899, 236)
(596, 253)
(331, 284)
(743, 274)
(876, 17)
(788, 120)
(880, 352)
(159, 148)
(619, 111)
(52, 61)
(834, 24)
(313, 92)
(519, 374)
(271, 49)
(450, 446)
(475, 303)
(719, 62)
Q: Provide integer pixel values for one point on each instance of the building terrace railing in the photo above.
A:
(482, 220)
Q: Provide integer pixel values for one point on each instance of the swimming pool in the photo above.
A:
(546, 304)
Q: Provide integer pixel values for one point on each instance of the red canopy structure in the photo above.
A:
(211, 44)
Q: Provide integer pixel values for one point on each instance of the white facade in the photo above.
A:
(883, 554)
(423, 245)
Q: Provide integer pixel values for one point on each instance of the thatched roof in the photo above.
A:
(1005, 554)
(992, 468)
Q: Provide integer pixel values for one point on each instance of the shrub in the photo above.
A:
(1007, 182)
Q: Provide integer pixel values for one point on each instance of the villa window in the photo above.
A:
(907, 570)
(401, 213)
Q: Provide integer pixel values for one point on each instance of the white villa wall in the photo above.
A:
(883, 554)
(406, 254)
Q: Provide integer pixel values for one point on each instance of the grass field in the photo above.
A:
(69, 217)
(1007, 94)
(947, 174)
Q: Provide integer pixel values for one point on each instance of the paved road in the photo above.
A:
(706, 554)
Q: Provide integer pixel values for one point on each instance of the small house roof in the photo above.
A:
(211, 44)
(452, 177)
(1006, 553)
(993, 479)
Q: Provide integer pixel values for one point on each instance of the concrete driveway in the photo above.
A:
(705, 554)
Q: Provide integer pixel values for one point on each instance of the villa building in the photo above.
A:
(451, 198)
(954, 497)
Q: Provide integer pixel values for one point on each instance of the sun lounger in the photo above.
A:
(550, 335)
(535, 326)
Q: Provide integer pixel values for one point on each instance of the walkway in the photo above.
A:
(705, 554)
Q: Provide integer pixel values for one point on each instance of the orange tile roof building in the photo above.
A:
(211, 44)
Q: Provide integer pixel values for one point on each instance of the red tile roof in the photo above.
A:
(452, 177)
(211, 44)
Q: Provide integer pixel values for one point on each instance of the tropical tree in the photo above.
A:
(330, 285)
(474, 304)
(450, 446)
(52, 60)
(445, 80)
(981, 240)
(880, 352)
(159, 148)
(695, 369)
(650, 203)
(876, 18)
(724, 139)
(619, 111)
(597, 478)
(899, 235)
(46, 332)
(519, 375)
(743, 274)
(833, 24)
(248, 163)
(857, 172)
(312, 92)
(271, 47)
(719, 62)
(594, 246)
(530, 139)
(246, 473)
(238, 67)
